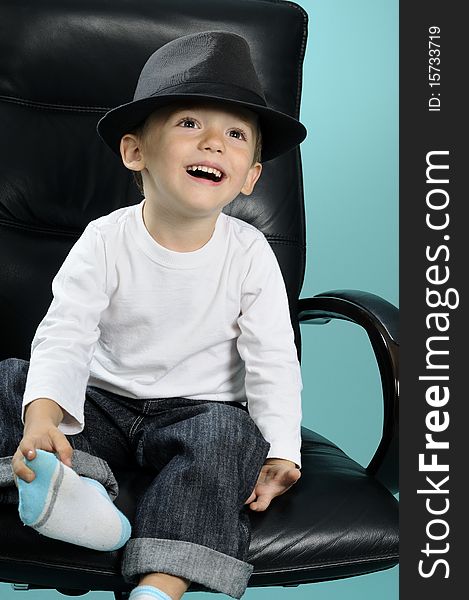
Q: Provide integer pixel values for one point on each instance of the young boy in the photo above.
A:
(171, 319)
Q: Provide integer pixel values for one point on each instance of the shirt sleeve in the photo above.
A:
(267, 346)
(64, 342)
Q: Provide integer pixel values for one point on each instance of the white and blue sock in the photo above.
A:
(62, 505)
(148, 592)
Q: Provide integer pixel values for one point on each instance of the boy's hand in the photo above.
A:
(276, 477)
(41, 432)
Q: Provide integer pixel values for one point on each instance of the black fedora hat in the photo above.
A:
(212, 65)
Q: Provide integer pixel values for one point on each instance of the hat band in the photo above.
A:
(220, 91)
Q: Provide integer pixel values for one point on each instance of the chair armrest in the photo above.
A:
(379, 318)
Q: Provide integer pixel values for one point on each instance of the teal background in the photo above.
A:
(350, 162)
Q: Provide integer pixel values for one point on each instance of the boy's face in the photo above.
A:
(181, 137)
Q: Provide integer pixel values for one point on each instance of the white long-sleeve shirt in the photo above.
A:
(135, 318)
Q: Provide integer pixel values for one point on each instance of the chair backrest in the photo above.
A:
(63, 64)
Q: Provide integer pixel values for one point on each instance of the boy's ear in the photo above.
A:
(131, 153)
(251, 179)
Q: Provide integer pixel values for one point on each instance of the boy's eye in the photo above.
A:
(238, 134)
(188, 122)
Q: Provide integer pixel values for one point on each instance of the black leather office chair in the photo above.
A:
(63, 63)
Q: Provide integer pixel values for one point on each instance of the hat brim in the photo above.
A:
(280, 132)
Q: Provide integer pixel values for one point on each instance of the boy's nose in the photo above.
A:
(212, 139)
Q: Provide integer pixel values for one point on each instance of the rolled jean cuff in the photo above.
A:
(96, 468)
(214, 570)
(8, 491)
(6, 472)
(83, 463)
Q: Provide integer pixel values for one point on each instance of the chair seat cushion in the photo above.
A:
(336, 521)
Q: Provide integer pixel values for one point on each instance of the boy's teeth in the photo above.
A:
(205, 169)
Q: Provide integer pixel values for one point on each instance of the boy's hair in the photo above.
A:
(140, 130)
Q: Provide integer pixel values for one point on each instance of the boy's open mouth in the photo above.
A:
(203, 172)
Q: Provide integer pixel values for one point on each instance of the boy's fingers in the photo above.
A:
(251, 498)
(27, 448)
(62, 447)
(261, 503)
(286, 480)
(20, 469)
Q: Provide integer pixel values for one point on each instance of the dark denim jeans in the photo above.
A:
(206, 456)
